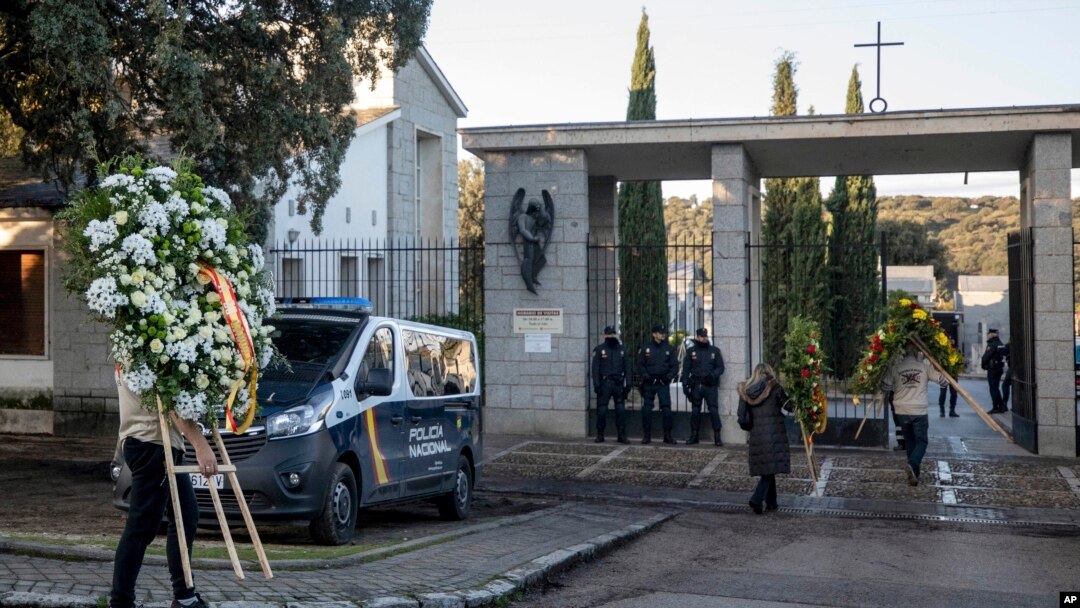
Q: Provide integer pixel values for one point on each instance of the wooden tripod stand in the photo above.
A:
(226, 467)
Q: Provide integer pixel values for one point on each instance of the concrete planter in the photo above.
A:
(28, 422)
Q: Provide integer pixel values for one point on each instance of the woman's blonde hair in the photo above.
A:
(763, 371)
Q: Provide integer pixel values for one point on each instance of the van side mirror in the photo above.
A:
(378, 383)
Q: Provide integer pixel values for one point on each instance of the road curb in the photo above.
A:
(503, 586)
(105, 555)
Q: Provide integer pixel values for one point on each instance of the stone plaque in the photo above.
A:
(538, 320)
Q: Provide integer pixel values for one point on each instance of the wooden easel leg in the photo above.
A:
(809, 459)
(225, 533)
(963, 393)
(178, 515)
(248, 521)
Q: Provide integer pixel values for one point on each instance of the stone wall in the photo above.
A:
(422, 107)
(84, 392)
(735, 183)
(1046, 207)
(533, 392)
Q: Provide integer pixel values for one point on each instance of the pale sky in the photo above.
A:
(555, 61)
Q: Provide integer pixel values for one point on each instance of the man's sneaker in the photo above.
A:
(912, 478)
(198, 603)
(953, 414)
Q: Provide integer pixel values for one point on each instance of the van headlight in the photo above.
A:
(300, 420)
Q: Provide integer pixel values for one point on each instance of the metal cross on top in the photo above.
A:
(879, 44)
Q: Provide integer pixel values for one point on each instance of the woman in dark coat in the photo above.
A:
(769, 453)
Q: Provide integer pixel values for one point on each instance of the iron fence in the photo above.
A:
(441, 281)
(1076, 332)
(1022, 339)
(689, 295)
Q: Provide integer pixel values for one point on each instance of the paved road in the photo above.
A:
(715, 560)
(462, 562)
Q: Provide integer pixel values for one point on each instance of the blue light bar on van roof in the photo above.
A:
(357, 304)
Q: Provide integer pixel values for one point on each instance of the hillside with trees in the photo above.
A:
(957, 235)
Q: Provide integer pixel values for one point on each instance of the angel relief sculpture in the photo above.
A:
(531, 225)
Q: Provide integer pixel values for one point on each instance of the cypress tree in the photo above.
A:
(780, 196)
(809, 277)
(643, 254)
(852, 263)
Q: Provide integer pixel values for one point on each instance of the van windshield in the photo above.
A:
(309, 345)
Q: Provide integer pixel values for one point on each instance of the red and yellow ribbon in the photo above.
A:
(241, 332)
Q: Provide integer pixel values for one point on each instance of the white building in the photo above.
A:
(398, 185)
(984, 303)
(916, 280)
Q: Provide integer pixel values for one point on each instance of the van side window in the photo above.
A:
(380, 353)
(439, 365)
(459, 365)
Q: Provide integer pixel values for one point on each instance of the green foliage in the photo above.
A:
(809, 274)
(255, 92)
(10, 136)
(909, 243)
(776, 230)
(906, 323)
(471, 235)
(642, 264)
(802, 369)
(852, 262)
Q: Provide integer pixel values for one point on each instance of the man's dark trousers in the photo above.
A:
(711, 396)
(610, 388)
(663, 394)
(993, 378)
(916, 431)
(149, 500)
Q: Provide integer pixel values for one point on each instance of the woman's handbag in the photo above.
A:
(746, 417)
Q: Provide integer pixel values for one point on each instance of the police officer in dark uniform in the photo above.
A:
(993, 361)
(702, 366)
(611, 380)
(657, 365)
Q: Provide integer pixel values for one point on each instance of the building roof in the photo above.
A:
(365, 116)
(894, 142)
(423, 57)
(973, 282)
(910, 272)
(20, 186)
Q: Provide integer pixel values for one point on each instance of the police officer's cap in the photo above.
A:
(610, 330)
(702, 332)
(991, 331)
(659, 329)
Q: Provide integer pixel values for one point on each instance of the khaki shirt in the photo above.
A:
(140, 423)
(908, 379)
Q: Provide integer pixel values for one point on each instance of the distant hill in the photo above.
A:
(972, 230)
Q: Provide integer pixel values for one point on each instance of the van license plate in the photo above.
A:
(199, 482)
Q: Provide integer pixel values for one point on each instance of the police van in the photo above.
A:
(369, 411)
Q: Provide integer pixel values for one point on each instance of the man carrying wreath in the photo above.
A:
(908, 378)
(144, 453)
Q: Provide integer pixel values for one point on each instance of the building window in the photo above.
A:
(22, 302)
(350, 277)
(292, 278)
(376, 279)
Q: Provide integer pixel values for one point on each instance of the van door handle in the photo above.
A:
(396, 419)
(415, 419)
(465, 404)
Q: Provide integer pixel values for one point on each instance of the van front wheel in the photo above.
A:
(454, 505)
(337, 522)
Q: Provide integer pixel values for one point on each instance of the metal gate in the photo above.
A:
(845, 416)
(1076, 332)
(689, 299)
(1021, 339)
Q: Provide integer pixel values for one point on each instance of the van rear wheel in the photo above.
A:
(337, 522)
(455, 504)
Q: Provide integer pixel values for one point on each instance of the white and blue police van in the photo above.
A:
(369, 411)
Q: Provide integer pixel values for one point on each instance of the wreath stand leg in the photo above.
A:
(178, 518)
(252, 532)
(963, 393)
(809, 458)
(866, 414)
